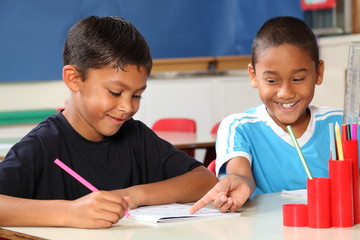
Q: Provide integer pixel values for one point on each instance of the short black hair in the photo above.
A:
(96, 42)
(285, 29)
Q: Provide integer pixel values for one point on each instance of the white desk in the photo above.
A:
(259, 219)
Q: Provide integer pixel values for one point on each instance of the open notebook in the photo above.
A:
(172, 212)
(301, 193)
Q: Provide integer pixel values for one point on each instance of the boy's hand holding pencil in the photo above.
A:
(99, 209)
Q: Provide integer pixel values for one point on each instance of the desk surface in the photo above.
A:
(260, 218)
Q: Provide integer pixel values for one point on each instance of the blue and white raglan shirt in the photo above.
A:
(275, 164)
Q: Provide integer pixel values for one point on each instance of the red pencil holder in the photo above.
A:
(351, 152)
(295, 215)
(319, 211)
(342, 209)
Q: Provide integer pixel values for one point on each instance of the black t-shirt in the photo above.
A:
(134, 155)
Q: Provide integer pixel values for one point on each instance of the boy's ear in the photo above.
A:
(320, 72)
(71, 77)
(252, 75)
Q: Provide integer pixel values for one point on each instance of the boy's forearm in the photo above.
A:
(188, 187)
(240, 166)
(28, 212)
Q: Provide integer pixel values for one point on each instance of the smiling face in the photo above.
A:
(101, 103)
(286, 77)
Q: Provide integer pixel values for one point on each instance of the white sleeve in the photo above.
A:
(229, 143)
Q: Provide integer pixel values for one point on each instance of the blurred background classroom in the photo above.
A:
(200, 48)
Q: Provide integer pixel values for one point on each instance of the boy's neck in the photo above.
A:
(299, 126)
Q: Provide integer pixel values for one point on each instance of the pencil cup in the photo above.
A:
(351, 152)
(319, 211)
(295, 215)
(342, 210)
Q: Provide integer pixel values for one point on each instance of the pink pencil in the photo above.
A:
(354, 131)
(81, 179)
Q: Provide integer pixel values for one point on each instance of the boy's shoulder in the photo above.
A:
(46, 135)
(324, 112)
(324, 109)
(52, 126)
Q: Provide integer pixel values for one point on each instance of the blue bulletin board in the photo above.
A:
(32, 33)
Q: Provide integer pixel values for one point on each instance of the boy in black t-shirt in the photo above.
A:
(106, 66)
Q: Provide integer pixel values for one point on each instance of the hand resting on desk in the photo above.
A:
(230, 193)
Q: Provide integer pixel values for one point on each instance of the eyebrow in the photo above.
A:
(301, 70)
(126, 87)
(295, 71)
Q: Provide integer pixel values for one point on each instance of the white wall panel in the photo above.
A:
(207, 100)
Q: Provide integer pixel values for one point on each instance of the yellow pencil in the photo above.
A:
(338, 142)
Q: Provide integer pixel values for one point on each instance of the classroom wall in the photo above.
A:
(52, 94)
(33, 95)
(33, 32)
(334, 51)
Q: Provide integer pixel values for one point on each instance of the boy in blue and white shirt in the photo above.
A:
(254, 151)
